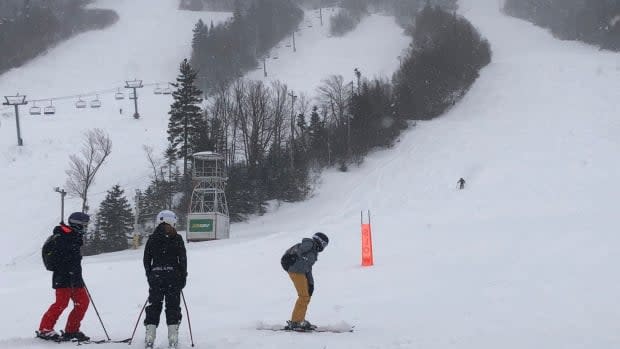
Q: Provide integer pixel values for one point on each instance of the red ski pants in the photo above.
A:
(63, 295)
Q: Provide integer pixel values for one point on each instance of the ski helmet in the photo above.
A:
(321, 239)
(166, 216)
(79, 220)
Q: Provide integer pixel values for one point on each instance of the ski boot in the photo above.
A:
(290, 325)
(303, 326)
(75, 337)
(307, 326)
(173, 336)
(48, 335)
(149, 337)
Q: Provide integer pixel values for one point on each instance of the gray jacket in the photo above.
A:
(307, 255)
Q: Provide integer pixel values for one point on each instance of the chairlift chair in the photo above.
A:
(50, 109)
(95, 103)
(119, 95)
(132, 95)
(167, 91)
(34, 110)
(80, 104)
(158, 90)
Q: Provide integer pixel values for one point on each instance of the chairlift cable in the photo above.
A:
(89, 94)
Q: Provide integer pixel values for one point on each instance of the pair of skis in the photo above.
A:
(341, 327)
(59, 339)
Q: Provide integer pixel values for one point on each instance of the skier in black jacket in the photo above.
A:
(165, 264)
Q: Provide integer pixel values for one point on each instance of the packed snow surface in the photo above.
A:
(524, 257)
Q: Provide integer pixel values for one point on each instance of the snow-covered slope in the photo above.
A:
(523, 258)
(373, 47)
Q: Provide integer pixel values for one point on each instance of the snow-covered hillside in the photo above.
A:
(523, 258)
(373, 47)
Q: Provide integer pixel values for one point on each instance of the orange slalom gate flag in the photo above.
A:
(367, 258)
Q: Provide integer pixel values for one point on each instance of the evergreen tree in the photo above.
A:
(170, 155)
(153, 200)
(187, 126)
(317, 134)
(93, 244)
(201, 31)
(114, 222)
(301, 124)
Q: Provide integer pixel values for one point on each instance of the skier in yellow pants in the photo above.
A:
(298, 261)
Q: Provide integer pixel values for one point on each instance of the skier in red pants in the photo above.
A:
(67, 281)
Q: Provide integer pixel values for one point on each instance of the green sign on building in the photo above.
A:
(201, 225)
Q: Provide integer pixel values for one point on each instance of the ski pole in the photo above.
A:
(97, 312)
(189, 323)
(137, 321)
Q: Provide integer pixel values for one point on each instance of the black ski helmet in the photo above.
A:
(79, 220)
(321, 239)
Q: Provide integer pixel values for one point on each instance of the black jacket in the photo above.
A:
(68, 260)
(165, 259)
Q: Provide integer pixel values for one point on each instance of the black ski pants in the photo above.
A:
(172, 296)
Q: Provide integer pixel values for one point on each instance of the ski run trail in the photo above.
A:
(522, 258)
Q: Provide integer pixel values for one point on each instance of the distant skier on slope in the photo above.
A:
(67, 280)
(461, 183)
(298, 261)
(165, 264)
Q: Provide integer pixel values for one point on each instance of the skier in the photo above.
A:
(461, 183)
(165, 263)
(67, 281)
(298, 261)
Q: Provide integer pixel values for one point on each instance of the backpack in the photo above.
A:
(48, 252)
(289, 258)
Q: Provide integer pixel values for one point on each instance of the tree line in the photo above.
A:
(222, 53)
(593, 21)
(446, 57)
(405, 11)
(30, 27)
(348, 17)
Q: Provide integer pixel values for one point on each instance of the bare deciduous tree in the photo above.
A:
(280, 105)
(335, 95)
(84, 166)
(255, 122)
(154, 162)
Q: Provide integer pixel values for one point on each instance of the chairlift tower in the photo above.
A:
(134, 84)
(208, 217)
(16, 101)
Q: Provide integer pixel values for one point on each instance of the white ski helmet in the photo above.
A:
(166, 216)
